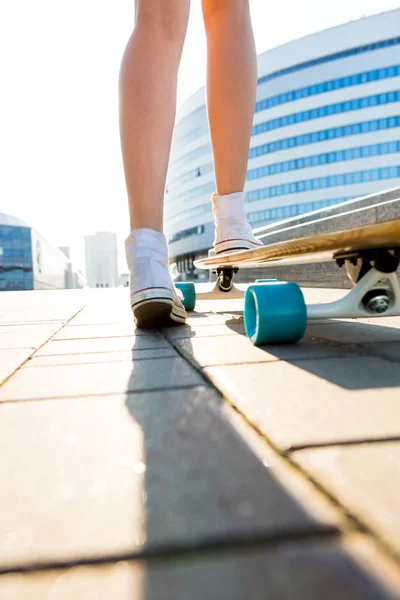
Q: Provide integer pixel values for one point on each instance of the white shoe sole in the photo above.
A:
(157, 312)
(236, 246)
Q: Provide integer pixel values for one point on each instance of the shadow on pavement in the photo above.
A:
(374, 351)
(222, 520)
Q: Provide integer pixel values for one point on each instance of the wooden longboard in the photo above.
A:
(316, 248)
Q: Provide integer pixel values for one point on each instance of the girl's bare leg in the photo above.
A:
(148, 81)
(231, 95)
(231, 88)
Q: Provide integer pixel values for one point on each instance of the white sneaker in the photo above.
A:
(154, 299)
(232, 230)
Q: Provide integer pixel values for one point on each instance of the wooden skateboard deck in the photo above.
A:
(316, 248)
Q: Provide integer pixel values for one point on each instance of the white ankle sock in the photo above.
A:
(229, 206)
(232, 229)
(146, 243)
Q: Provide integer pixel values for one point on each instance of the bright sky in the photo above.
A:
(59, 145)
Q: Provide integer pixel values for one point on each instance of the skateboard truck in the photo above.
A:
(376, 288)
(223, 286)
(224, 278)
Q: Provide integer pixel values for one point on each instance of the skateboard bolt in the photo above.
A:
(378, 304)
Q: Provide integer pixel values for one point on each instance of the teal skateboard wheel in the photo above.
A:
(274, 313)
(189, 294)
(266, 280)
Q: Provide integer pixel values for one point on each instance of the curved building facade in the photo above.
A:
(326, 130)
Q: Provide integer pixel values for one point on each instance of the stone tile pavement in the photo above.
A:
(188, 464)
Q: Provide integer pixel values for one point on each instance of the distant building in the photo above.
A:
(124, 279)
(65, 250)
(101, 259)
(29, 262)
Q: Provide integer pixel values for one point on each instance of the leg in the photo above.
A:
(231, 94)
(148, 80)
(231, 89)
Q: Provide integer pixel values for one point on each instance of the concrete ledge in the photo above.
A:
(376, 208)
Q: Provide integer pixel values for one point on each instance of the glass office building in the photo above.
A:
(326, 130)
(16, 270)
(28, 261)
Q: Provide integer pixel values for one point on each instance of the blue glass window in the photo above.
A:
(16, 269)
(335, 132)
(316, 113)
(357, 79)
(324, 182)
(330, 58)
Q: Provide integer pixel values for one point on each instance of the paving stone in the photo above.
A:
(220, 307)
(34, 306)
(10, 360)
(76, 332)
(315, 401)
(350, 571)
(389, 350)
(105, 476)
(27, 336)
(238, 349)
(376, 321)
(365, 478)
(57, 324)
(198, 319)
(356, 332)
(105, 307)
(26, 327)
(141, 342)
(86, 317)
(186, 331)
(62, 381)
(100, 357)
